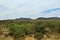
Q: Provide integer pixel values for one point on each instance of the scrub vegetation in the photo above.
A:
(19, 29)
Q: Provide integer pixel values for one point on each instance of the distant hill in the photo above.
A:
(43, 18)
(23, 19)
(39, 18)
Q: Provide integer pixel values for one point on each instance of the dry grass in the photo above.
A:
(32, 38)
(7, 38)
(53, 37)
(29, 38)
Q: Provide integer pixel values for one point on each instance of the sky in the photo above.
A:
(11, 9)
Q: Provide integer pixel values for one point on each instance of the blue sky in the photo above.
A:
(11, 9)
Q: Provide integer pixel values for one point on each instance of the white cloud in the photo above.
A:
(27, 8)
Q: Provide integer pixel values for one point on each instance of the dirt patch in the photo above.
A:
(29, 38)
